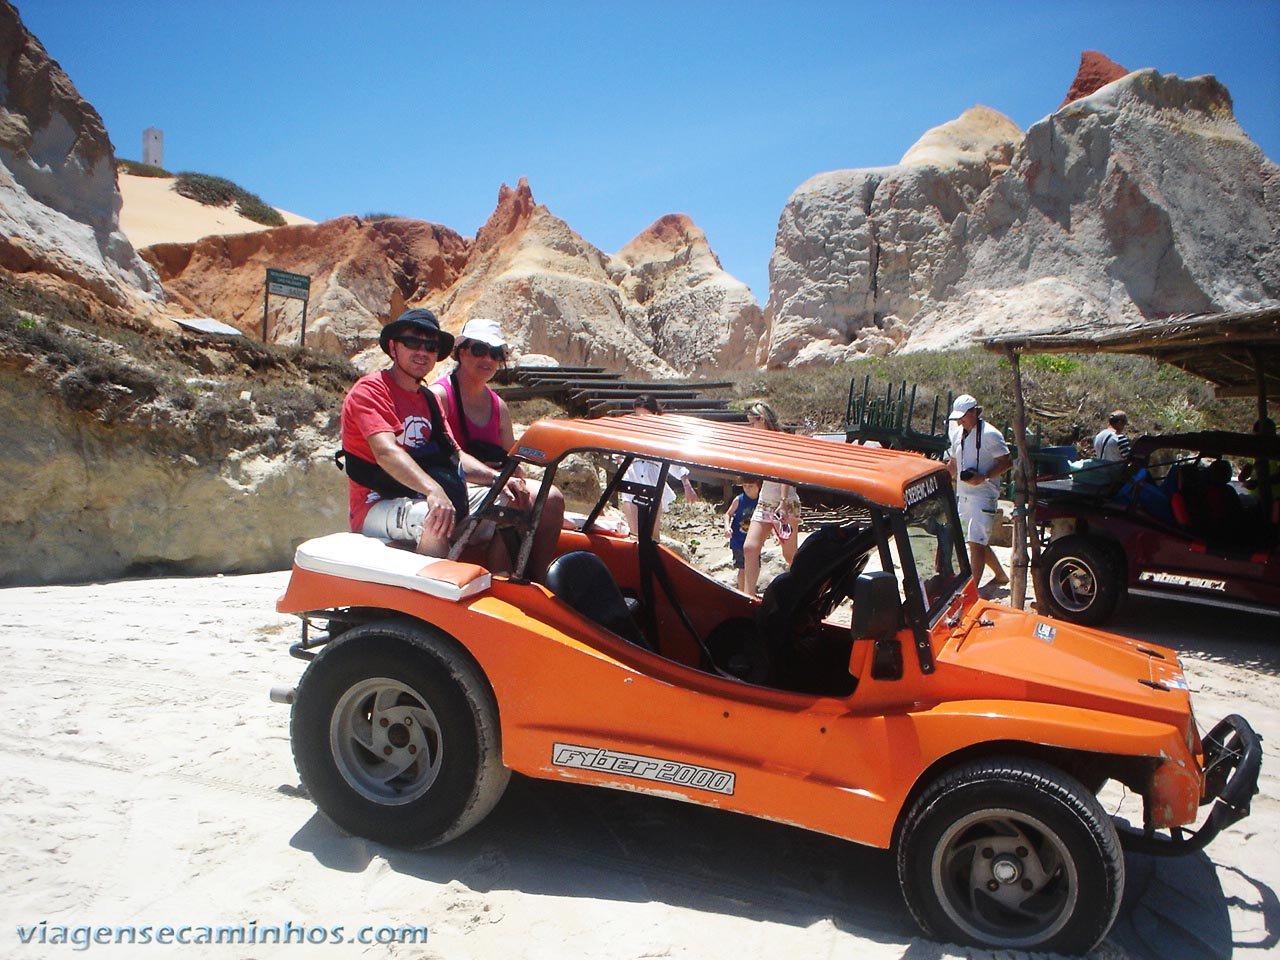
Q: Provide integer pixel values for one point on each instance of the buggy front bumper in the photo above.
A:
(1232, 763)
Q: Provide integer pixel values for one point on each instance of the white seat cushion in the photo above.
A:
(357, 557)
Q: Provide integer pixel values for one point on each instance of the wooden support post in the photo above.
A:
(1023, 478)
(1261, 374)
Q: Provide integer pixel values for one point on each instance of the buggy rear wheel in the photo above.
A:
(1077, 580)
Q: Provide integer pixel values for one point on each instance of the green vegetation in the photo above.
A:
(202, 395)
(1067, 395)
(189, 390)
(381, 216)
(219, 192)
(142, 169)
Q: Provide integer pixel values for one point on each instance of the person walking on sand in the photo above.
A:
(777, 511)
(978, 457)
(737, 523)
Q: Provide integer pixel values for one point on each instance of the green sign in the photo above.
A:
(284, 284)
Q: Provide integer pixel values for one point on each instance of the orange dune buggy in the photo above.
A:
(968, 737)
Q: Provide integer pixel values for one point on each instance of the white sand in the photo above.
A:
(145, 779)
(153, 213)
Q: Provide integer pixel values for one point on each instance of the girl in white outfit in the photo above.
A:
(777, 511)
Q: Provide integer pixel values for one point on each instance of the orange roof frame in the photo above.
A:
(874, 474)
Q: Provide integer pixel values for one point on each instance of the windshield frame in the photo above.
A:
(933, 492)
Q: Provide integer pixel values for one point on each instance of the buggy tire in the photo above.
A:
(396, 737)
(1077, 580)
(1012, 854)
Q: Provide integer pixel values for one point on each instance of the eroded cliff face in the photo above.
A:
(549, 288)
(362, 275)
(859, 253)
(662, 306)
(87, 501)
(132, 451)
(1142, 199)
(59, 203)
(687, 309)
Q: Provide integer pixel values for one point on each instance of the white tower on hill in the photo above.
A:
(153, 147)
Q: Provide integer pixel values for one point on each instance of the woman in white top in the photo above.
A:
(646, 472)
(777, 510)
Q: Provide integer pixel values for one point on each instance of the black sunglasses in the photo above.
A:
(420, 343)
(478, 349)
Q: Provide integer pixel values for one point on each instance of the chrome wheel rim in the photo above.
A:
(386, 741)
(1073, 584)
(1005, 878)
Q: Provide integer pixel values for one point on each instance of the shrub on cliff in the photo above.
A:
(1067, 396)
(220, 192)
(137, 169)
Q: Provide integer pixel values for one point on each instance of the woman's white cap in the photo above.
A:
(483, 330)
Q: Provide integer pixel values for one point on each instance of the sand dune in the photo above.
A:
(154, 213)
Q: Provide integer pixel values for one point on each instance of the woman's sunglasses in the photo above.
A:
(420, 343)
(478, 349)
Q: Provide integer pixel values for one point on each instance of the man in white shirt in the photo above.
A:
(1111, 443)
(978, 457)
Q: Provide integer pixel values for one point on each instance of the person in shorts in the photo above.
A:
(777, 510)
(407, 478)
(978, 457)
(737, 522)
(646, 472)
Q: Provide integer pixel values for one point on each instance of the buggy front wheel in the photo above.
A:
(395, 735)
(1011, 854)
(1077, 580)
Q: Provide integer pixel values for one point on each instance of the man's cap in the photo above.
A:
(418, 320)
(484, 330)
(963, 404)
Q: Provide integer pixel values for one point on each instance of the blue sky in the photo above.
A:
(617, 113)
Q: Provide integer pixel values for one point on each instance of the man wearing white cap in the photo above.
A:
(978, 457)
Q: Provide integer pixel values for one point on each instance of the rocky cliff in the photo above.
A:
(59, 205)
(362, 273)
(663, 305)
(687, 309)
(549, 288)
(129, 450)
(1142, 199)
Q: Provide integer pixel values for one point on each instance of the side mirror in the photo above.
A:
(877, 608)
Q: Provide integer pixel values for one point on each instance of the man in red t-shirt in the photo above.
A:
(389, 425)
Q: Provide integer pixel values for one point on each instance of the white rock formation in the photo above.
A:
(860, 252)
(59, 204)
(1142, 200)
